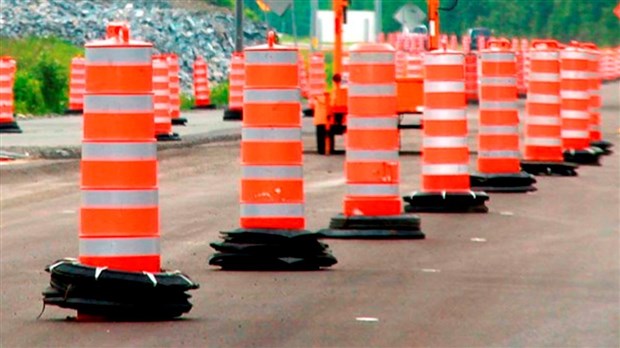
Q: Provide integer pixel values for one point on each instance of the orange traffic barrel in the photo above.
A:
(372, 206)
(161, 100)
(118, 275)
(7, 78)
(466, 43)
(316, 81)
(499, 169)
(175, 90)
(414, 64)
(236, 78)
(303, 76)
(525, 50)
(401, 63)
(202, 94)
(76, 86)
(594, 83)
(454, 42)
(272, 216)
(471, 76)
(445, 152)
(543, 137)
(575, 105)
(520, 61)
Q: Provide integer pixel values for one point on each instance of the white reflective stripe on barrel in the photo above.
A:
(94, 198)
(271, 95)
(543, 141)
(543, 120)
(272, 210)
(116, 103)
(575, 115)
(444, 86)
(497, 105)
(271, 134)
(499, 130)
(271, 172)
(372, 189)
(498, 81)
(575, 134)
(371, 57)
(574, 95)
(441, 142)
(445, 169)
(543, 98)
(271, 57)
(133, 151)
(444, 114)
(119, 246)
(577, 55)
(497, 56)
(595, 127)
(118, 55)
(444, 59)
(380, 122)
(574, 75)
(371, 90)
(543, 77)
(498, 154)
(537, 55)
(371, 155)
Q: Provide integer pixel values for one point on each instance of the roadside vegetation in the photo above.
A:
(42, 77)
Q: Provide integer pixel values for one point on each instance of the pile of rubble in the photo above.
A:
(187, 33)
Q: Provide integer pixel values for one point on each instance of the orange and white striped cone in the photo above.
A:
(7, 79)
(175, 91)
(202, 94)
(372, 206)
(498, 132)
(471, 77)
(316, 80)
(161, 100)
(118, 275)
(543, 126)
(272, 220)
(445, 153)
(596, 138)
(76, 86)
(236, 78)
(575, 105)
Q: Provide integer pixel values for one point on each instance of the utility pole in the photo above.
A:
(378, 16)
(292, 9)
(239, 26)
(314, 6)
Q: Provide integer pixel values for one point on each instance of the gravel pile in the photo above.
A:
(188, 33)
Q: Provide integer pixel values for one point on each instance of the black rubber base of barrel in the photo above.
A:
(233, 115)
(74, 112)
(179, 121)
(589, 156)
(308, 112)
(10, 127)
(404, 226)
(505, 182)
(271, 250)
(446, 202)
(204, 107)
(168, 137)
(549, 168)
(603, 145)
(118, 295)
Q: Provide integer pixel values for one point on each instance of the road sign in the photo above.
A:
(276, 6)
(617, 10)
(410, 16)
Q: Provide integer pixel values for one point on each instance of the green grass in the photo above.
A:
(42, 77)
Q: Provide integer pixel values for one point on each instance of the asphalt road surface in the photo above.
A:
(539, 270)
